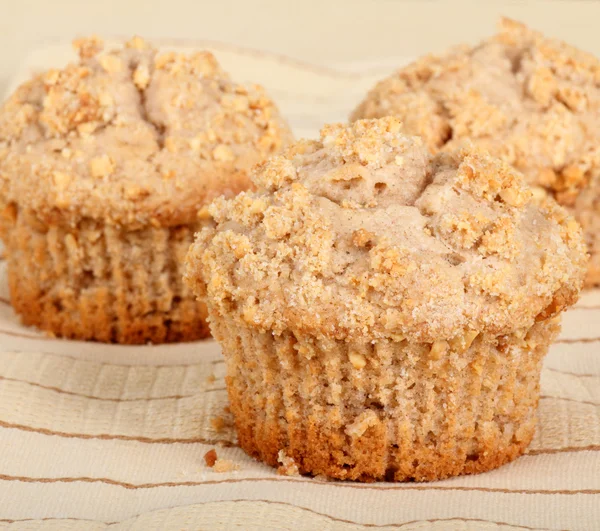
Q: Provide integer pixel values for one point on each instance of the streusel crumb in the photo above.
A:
(342, 241)
(225, 465)
(132, 136)
(287, 465)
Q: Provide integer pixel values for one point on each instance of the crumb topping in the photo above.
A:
(133, 136)
(533, 101)
(364, 235)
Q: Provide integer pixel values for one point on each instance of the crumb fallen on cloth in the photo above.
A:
(210, 458)
(288, 466)
(213, 461)
(225, 465)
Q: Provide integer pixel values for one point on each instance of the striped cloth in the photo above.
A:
(112, 438)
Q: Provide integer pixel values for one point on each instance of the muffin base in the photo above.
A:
(102, 283)
(314, 457)
(404, 415)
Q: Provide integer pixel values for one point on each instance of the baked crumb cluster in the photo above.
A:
(531, 100)
(132, 136)
(363, 235)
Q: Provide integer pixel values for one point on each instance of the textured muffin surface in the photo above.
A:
(364, 235)
(106, 167)
(531, 100)
(132, 136)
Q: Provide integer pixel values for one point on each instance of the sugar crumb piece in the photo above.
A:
(88, 46)
(363, 238)
(225, 465)
(358, 360)
(222, 153)
(111, 63)
(101, 166)
(438, 349)
(137, 43)
(141, 77)
(463, 342)
(210, 458)
(288, 466)
(362, 423)
(61, 180)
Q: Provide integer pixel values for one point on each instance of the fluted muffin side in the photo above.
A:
(385, 410)
(100, 282)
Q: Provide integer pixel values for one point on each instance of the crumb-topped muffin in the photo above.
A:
(105, 169)
(384, 314)
(533, 101)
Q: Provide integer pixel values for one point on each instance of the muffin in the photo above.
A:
(384, 313)
(105, 170)
(530, 100)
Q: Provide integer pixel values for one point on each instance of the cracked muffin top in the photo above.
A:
(364, 235)
(132, 136)
(533, 101)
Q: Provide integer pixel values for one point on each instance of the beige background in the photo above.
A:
(328, 32)
(108, 437)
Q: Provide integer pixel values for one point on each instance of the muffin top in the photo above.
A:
(532, 101)
(132, 136)
(364, 235)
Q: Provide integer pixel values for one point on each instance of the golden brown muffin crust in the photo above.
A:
(132, 136)
(363, 235)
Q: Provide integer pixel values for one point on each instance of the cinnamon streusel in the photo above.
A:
(384, 314)
(533, 101)
(105, 168)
